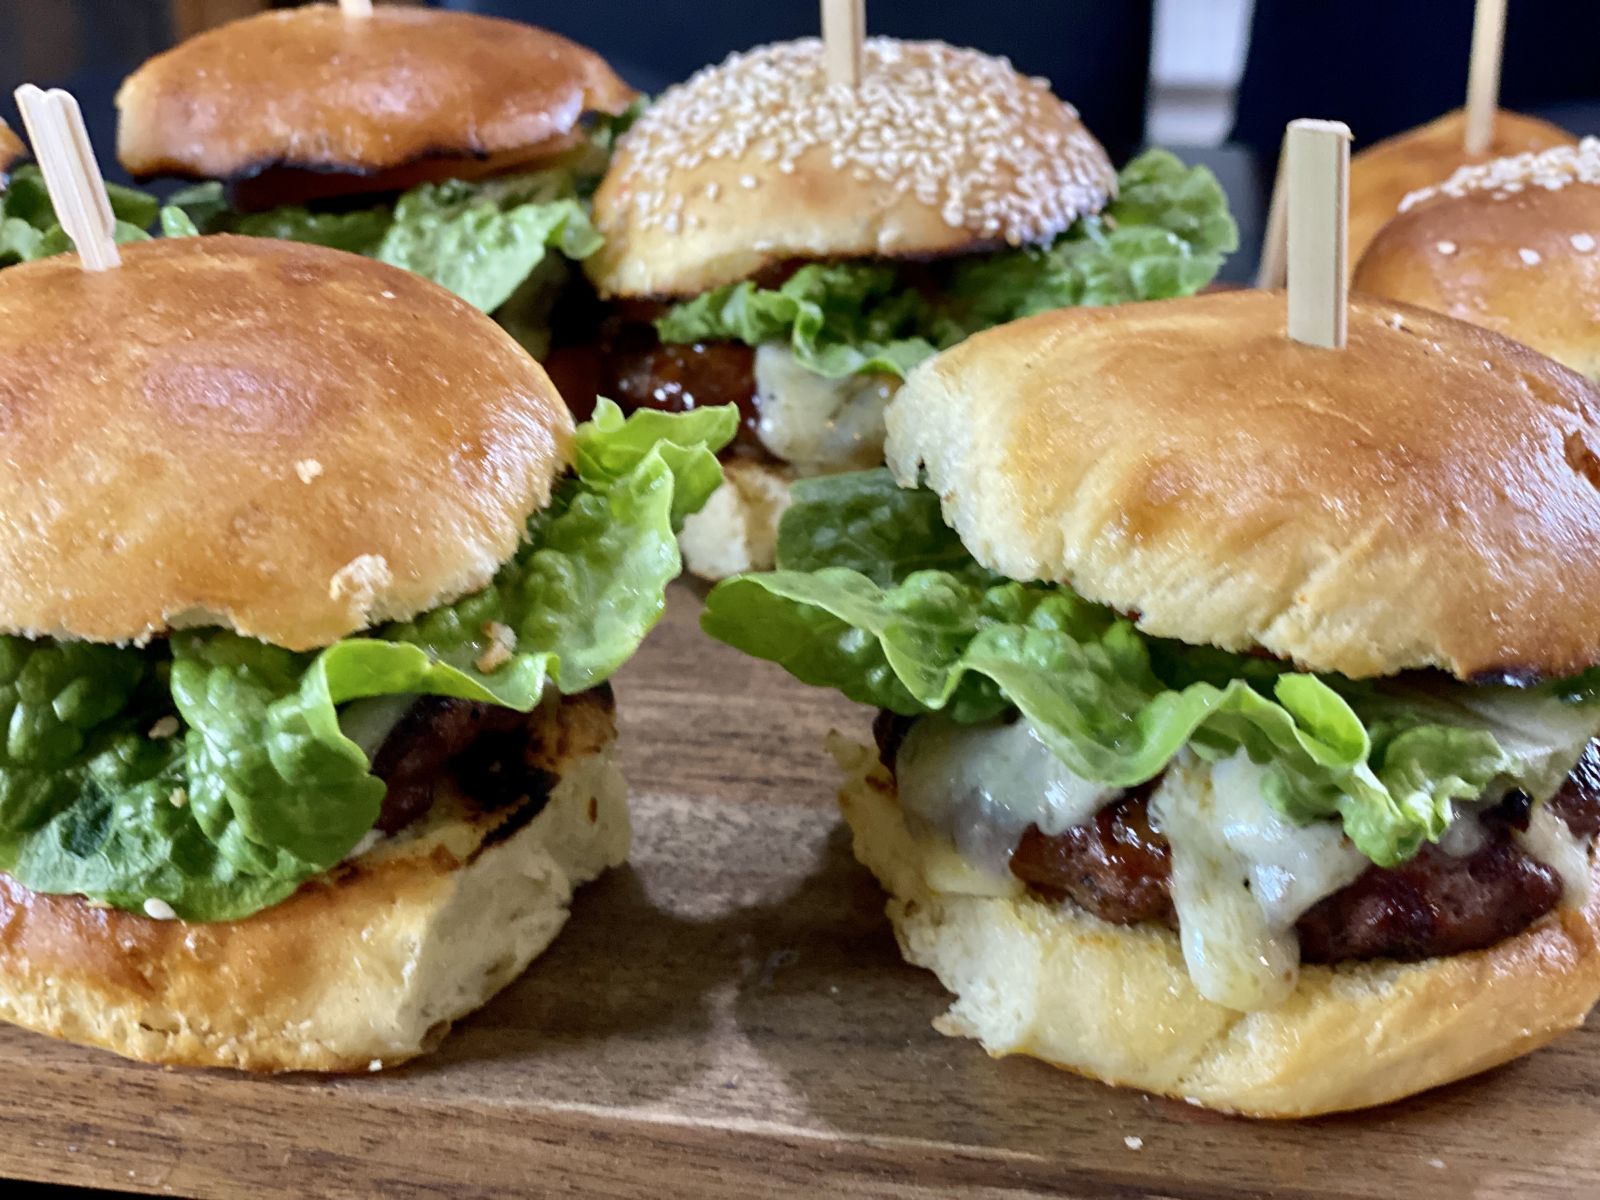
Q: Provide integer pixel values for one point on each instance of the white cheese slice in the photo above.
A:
(1547, 840)
(819, 425)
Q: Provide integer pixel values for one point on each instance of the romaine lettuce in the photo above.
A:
(871, 600)
(256, 788)
(29, 228)
(1164, 235)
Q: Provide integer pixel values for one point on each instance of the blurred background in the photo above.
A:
(1214, 79)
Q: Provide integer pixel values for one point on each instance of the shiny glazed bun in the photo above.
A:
(311, 88)
(1427, 497)
(285, 440)
(758, 161)
(1386, 172)
(1512, 245)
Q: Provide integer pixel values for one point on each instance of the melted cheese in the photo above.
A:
(817, 424)
(1548, 840)
(1242, 875)
(368, 723)
(981, 786)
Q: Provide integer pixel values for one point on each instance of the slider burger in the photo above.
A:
(28, 225)
(795, 248)
(1236, 714)
(310, 592)
(1385, 173)
(458, 146)
(1512, 245)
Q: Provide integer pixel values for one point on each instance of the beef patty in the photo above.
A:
(1435, 904)
(497, 757)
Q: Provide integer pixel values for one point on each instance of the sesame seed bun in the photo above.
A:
(11, 149)
(1115, 1003)
(1386, 172)
(364, 967)
(311, 88)
(1512, 245)
(285, 440)
(758, 161)
(1427, 497)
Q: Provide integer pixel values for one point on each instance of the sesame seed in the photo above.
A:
(961, 132)
(1550, 169)
(1531, 257)
(1583, 243)
(387, 294)
(375, 1065)
(308, 469)
(1133, 1142)
(159, 910)
(164, 728)
(1436, 1163)
(1445, 247)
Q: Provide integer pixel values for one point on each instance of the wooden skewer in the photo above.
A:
(356, 8)
(1273, 269)
(1318, 154)
(844, 32)
(77, 189)
(1483, 74)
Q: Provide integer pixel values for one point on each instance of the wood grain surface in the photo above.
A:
(728, 1017)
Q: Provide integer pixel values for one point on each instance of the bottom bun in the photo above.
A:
(362, 968)
(1115, 1002)
(737, 530)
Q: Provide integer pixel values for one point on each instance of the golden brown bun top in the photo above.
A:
(1427, 497)
(279, 438)
(11, 149)
(310, 87)
(1513, 245)
(758, 161)
(1384, 173)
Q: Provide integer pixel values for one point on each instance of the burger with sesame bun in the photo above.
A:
(1512, 245)
(1237, 729)
(1385, 173)
(458, 146)
(310, 595)
(796, 248)
(28, 225)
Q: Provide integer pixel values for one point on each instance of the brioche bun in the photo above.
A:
(1513, 245)
(11, 149)
(1427, 497)
(758, 161)
(363, 967)
(281, 439)
(1115, 1002)
(737, 530)
(1386, 172)
(311, 88)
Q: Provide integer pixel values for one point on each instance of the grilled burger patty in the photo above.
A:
(1436, 904)
(497, 757)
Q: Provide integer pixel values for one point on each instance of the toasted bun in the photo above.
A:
(737, 530)
(283, 439)
(1513, 245)
(758, 161)
(11, 149)
(1115, 1002)
(362, 968)
(1427, 497)
(1384, 173)
(309, 87)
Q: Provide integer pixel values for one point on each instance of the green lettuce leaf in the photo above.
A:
(1164, 235)
(29, 228)
(257, 787)
(922, 630)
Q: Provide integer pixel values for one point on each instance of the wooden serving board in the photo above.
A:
(728, 1017)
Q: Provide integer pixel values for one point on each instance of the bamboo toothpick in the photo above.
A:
(844, 32)
(1318, 177)
(77, 189)
(1272, 271)
(356, 8)
(1483, 73)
